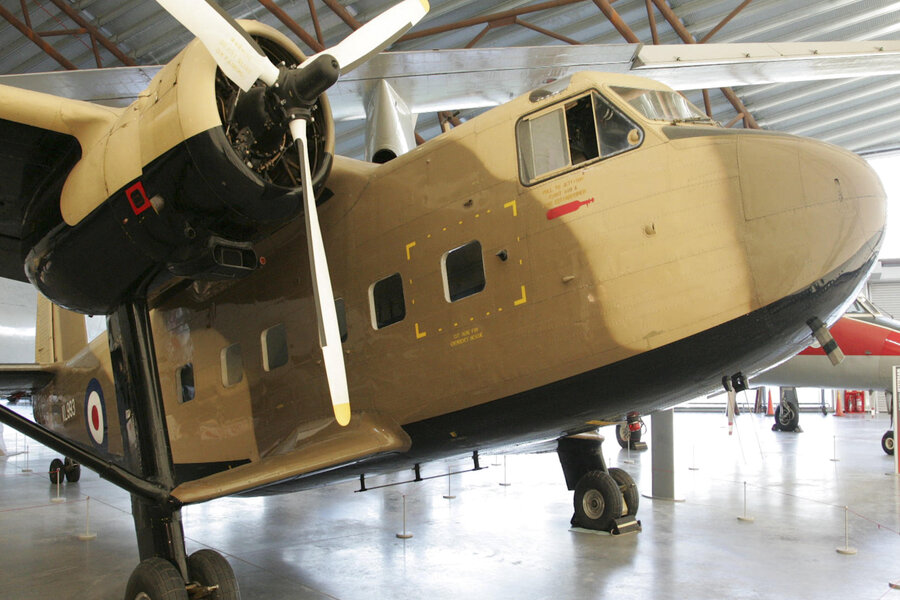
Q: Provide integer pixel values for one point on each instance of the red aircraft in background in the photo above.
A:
(870, 342)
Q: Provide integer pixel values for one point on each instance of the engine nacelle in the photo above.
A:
(184, 181)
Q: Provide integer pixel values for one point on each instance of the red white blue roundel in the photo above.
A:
(95, 413)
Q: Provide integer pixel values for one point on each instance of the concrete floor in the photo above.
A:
(508, 542)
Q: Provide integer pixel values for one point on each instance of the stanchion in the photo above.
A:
(449, 495)
(504, 483)
(26, 469)
(59, 477)
(87, 535)
(834, 457)
(404, 535)
(628, 460)
(496, 462)
(693, 466)
(744, 516)
(846, 549)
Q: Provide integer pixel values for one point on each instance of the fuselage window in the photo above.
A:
(274, 347)
(463, 270)
(578, 131)
(232, 365)
(341, 311)
(185, 378)
(387, 302)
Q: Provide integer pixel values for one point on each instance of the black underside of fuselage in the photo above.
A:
(648, 382)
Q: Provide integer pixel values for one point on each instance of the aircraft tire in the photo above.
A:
(57, 471)
(155, 579)
(623, 436)
(629, 490)
(72, 470)
(887, 442)
(786, 417)
(597, 501)
(208, 567)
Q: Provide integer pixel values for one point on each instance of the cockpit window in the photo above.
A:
(579, 131)
(662, 105)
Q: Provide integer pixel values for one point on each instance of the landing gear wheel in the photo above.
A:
(57, 470)
(598, 501)
(786, 416)
(624, 435)
(887, 442)
(72, 470)
(155, 579)
(209, 568)
(628, 489)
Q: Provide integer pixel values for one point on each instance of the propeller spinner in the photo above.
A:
(242, 61)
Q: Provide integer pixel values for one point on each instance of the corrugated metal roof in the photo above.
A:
(861, 114)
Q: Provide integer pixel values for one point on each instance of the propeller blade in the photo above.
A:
(329, 332)
(377, 34)
(239, 57)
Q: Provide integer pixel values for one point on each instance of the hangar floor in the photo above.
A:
(493, 541)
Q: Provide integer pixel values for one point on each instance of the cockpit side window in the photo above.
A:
(579, 131)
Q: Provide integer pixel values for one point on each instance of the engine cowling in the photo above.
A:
(183, 183)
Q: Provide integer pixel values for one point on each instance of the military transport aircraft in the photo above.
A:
(595, 246)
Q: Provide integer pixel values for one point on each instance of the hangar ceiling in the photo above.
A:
(860, 113)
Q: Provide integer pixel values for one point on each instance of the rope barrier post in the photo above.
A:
(404, 535)
(894, 402)
(58, 498)
(693, 466)
(744, 516)
(846, 549)
(505, 483)
(449, 495)
(26, 469)
(834, 457)
(87, 535)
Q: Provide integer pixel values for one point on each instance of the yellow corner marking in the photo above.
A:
(513, 204)
(440, 329)
(409, 247)
(477, 216)
(420, 334)
(521, 300)
(460, 223)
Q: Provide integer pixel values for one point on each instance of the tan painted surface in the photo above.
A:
(679, 236)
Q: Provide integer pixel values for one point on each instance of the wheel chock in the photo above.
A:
(625, 525)
(639, 445)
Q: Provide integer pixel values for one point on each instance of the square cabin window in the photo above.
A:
(232, 365)
(463, 269)
(387, 302)
(274, 347)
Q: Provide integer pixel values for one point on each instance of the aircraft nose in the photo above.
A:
(813, 213)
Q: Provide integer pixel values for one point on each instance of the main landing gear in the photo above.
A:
(887, 442)
(606, 499)
(630, 431)
(211, 577)
(787, 415)
(165, 571)
(68, 469)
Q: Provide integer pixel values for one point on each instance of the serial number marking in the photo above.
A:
(68, 410)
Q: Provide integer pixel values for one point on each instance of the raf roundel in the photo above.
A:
(95, 413)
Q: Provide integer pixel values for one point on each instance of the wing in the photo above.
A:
(24, 379)
(436, 80)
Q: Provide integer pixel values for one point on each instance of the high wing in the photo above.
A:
(436, 80)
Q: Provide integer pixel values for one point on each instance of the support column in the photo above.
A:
(662, 431)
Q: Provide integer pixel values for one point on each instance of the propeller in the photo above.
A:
(298, 88)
